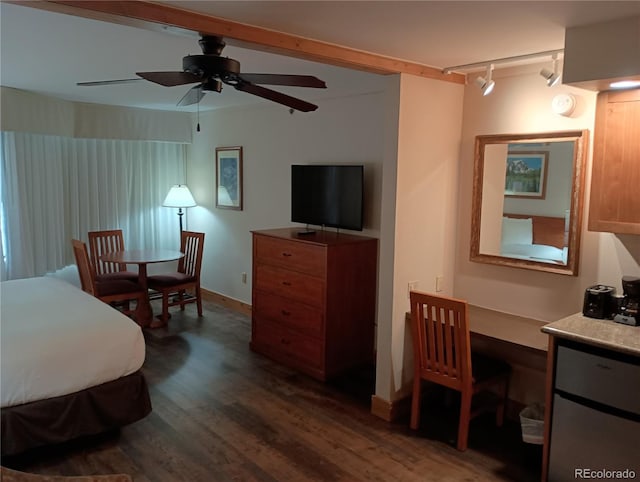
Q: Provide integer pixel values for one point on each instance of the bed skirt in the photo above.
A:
(87, 412)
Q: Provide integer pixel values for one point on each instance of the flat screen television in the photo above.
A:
(323, 195)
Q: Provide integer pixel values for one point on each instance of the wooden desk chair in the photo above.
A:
(187, 277)
(108, 241)
(110, 291)
(442, 355)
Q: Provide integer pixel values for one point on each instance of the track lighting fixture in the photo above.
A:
(552, 78)
(486, 84)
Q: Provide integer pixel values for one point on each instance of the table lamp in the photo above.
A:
(179, 197)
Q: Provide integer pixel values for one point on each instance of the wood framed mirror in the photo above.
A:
(528, 192)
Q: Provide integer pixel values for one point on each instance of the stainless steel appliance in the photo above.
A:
(596, 415)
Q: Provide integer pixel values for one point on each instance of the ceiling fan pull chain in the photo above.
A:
(198, 114)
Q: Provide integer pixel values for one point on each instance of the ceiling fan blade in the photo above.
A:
(284, 79)
(169, 79)
(108, 82)
(193, 96)
(274, 96)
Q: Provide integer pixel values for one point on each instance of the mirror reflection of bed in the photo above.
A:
(538, 238)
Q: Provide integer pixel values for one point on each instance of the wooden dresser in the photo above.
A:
(314, 299)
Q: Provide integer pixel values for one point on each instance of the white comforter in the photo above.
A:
(535, 252)
(56, 339)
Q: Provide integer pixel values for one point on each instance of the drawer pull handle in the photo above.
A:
(604, 367)
(286, 283)
(286, 255)
(286, 313)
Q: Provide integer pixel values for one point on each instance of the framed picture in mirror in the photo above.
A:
(526, 174)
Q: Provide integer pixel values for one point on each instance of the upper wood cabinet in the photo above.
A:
(615, 178)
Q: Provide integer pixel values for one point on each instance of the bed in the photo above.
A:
(70, 365)
(535, 238)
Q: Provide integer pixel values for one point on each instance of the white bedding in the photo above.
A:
(56, 339)
(535, 252)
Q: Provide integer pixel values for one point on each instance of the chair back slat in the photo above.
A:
(85, 268)
(103, 242)
(441, 339)
(191, 245)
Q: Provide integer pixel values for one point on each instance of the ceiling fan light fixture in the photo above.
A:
(209, 71)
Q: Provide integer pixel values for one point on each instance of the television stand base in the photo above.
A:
(306, 232)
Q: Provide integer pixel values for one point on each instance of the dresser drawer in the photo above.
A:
(297, 256)
(294, 315)
(289, 284)
(277, 341)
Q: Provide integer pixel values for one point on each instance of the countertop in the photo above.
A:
(602, 333)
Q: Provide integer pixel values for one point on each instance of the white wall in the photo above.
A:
(407, 135)
(342, 130)
(559, 178)
(521, 103)
(429, 125)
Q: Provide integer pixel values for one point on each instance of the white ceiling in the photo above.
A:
(49, 52)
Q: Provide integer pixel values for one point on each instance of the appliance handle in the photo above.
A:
(601, 407)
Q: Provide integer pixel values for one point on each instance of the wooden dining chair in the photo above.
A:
(108, 241)
(110, 291)
(442, 355)
(187, 277)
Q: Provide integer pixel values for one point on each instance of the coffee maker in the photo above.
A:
(628, 309)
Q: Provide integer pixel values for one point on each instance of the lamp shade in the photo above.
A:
(179, 197)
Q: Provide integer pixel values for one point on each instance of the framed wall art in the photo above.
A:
(229, 178)
(526, 174)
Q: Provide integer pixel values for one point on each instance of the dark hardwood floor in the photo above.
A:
(222, 412)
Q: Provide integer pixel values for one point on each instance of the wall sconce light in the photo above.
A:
(552, 78)
(486, 84)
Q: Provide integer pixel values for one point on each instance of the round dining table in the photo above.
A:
(143, 257)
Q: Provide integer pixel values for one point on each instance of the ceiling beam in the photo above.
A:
(155, 16)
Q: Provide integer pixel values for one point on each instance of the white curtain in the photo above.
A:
(55, 188)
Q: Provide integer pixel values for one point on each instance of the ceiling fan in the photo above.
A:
(209, 70)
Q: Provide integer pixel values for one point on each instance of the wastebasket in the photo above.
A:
(532, 424)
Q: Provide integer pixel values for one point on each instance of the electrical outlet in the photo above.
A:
(439, 283)
(412, 286)
(244, 278)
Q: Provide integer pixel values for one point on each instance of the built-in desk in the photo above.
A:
(520, 342)
(516, 339)
(513, 329)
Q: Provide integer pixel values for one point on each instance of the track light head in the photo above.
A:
(552, 78)
(486, 84)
